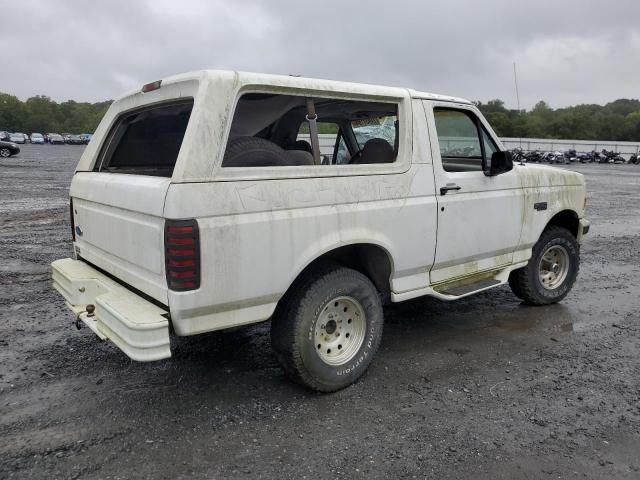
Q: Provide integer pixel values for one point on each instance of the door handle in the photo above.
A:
(449, 186)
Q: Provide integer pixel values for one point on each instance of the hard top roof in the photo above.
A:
(301, 82)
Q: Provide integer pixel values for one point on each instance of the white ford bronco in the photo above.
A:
(217, 199)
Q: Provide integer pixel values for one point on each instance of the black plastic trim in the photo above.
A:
(140, 293)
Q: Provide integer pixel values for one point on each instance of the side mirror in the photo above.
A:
(501, 162)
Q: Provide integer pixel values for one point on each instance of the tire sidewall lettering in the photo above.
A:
(563, 289)
(355, 367)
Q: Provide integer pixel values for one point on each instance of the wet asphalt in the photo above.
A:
(483, 388)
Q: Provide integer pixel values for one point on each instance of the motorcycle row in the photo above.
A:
(571, 156)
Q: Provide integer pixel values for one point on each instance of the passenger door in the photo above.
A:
(479, 216)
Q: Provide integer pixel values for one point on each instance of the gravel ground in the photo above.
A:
(482, 388)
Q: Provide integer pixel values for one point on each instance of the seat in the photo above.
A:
(302, 145)
(376, 150)
(301, 153)
(300, 157)
(258, 152)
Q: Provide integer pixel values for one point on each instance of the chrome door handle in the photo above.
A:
(449, 186)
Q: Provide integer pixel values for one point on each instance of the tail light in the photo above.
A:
(182, 254)
(73, 222)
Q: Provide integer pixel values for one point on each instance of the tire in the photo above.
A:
(255, 152)
(327, 329)
(557, 253)
(5, 152)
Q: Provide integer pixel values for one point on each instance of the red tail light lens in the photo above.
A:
(174, 253)
(182, 254)
(181, 263)
(176, 239)
(177, 229)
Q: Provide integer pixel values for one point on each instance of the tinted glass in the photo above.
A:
(147, 142)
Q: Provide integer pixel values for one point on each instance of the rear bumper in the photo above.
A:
(133, 324)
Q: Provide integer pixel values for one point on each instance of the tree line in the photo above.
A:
(43, 115)
(618, 120)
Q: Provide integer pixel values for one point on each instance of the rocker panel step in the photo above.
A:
(472, 287)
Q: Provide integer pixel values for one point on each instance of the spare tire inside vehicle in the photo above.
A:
(255, 152)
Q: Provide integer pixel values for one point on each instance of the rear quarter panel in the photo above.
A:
(257, 236)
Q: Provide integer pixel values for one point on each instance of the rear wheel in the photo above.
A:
(327, 330)
(5, 152)
(552, 269)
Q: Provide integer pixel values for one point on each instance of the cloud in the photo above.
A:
(567, 52)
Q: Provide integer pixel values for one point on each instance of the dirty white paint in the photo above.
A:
(135, 325)
(260, 227)
(120, 217)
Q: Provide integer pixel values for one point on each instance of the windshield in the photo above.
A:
(375, 127)
(36, 135)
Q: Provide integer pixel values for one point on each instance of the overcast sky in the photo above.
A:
(567, 51)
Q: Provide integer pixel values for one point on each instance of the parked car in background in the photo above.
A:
(65, 136)
(56, 139)
(86, 137)
(8, 148)
(18, 138)
(74, 140)
(4, 136)
(37, 138)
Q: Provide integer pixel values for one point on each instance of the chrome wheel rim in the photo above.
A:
(5, 153)
(553, 267)
(340, 330)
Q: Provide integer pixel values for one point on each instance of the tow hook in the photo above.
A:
(90, 311)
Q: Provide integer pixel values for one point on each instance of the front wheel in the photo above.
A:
(5, 152)
(327, 330)
(552, 269)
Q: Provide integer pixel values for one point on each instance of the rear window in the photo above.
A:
(146, 141)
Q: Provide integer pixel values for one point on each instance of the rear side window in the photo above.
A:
(146, 141)
(275, 130)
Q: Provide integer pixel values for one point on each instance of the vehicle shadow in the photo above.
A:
(241, 362)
